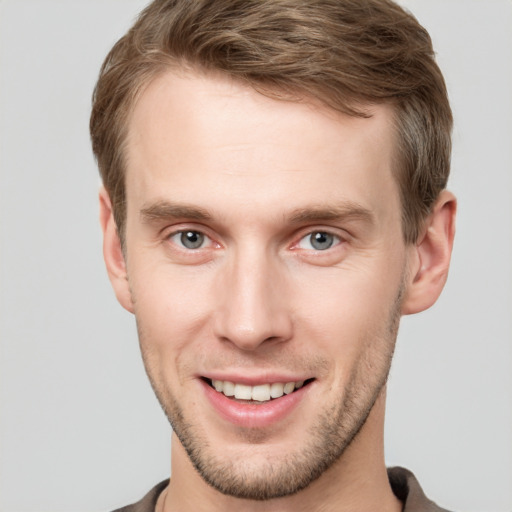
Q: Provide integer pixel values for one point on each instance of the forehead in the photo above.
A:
(199, 138)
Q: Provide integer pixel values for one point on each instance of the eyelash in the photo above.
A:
(176, 238)
(332, 240)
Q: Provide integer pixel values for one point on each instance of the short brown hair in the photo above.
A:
(346, 53)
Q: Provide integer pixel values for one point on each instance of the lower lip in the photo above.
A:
(254, 415)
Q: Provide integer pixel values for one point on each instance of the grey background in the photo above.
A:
(80, 429)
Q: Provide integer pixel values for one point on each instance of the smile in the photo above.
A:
(255, 404)
(259, 393)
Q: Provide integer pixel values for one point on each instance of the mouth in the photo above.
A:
(259, 394)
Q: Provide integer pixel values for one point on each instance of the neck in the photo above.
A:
(357, 482)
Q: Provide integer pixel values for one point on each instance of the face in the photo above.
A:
(265, 266)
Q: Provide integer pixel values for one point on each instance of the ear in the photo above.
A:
(113, 253)
(430, 257)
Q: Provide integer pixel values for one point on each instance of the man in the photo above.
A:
(274, 200)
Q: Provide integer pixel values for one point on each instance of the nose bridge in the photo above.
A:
(253, 310)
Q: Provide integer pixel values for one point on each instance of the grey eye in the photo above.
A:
(191, 239)
(318, 241)
(321, 241)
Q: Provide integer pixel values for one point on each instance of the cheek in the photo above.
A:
(342, 307)
(171, 305)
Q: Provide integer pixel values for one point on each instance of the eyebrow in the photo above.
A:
(348, 210)
(165, 210)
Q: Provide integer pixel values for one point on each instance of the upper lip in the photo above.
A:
(248, 380)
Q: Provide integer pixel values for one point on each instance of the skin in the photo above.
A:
(257, 176)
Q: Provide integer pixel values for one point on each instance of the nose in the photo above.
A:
(253, 308)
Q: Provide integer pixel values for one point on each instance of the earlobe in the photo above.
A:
(113, 253)
(430, 258)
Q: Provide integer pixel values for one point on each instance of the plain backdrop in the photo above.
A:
(80, 429)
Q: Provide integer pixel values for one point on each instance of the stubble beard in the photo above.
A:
(329, 436)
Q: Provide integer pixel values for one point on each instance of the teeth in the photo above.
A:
(276, 390)
(289, 387)
(229, 388)
(243, 392)
(260, 393)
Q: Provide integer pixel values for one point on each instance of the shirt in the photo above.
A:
(404, 484)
